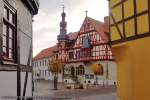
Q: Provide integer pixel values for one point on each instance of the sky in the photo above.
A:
(46, 22)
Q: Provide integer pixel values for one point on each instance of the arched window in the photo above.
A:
(80, 70)
(72, 71)
(101, 69)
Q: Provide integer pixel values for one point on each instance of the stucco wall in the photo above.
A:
(8, 83)
(25, 31)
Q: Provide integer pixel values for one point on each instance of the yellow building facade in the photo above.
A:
(130, 38)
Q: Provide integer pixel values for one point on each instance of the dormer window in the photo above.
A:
(86, 42)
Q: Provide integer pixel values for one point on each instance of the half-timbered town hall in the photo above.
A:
(80, 51)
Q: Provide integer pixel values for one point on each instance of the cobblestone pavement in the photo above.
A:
(45, 88)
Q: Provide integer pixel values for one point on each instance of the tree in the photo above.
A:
(98, 70)
(55, 67)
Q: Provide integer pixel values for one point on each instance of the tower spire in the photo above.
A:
(63, 13)
(63, 27)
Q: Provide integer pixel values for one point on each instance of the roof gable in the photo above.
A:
(100, 27)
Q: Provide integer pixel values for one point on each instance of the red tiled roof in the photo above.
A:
(101, 27)
(73, 35)
(45, 53)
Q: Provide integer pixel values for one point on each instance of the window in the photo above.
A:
(70, 55)
(80, 70)
(37, 63)
(40, 63)
(78, 54)
(9, 36)
(91, 37)
(101, 69)
(33, 64)
(72, 71)
(40, 72)
(83, 38)
(45, 72)
(49, 73)
(87, 26)
(56, 56)
(45, 62)
(86, 53)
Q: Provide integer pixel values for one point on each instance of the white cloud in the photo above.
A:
(44, 20)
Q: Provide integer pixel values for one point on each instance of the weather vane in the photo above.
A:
(63, 7)
(86, 12)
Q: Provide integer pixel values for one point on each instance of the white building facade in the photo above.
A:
(16, 47)
(41, 64)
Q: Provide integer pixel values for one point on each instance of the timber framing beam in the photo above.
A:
(134, 17)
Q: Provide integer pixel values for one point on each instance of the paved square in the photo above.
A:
(45, 88)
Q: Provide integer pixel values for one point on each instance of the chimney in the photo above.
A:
(106, 20)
